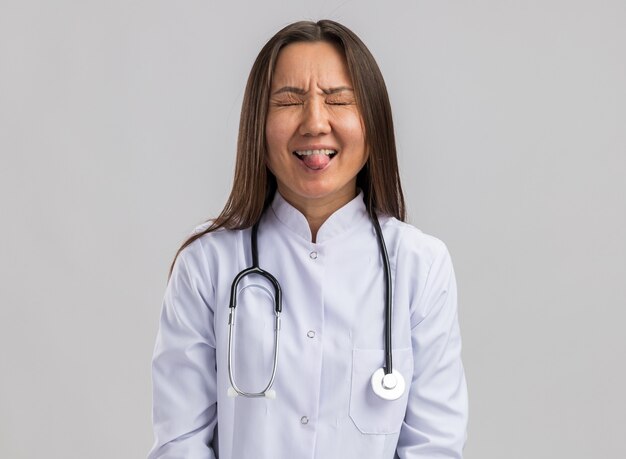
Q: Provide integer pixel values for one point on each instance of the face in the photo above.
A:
(314, 131)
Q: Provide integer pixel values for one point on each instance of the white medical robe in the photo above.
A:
(331, 342)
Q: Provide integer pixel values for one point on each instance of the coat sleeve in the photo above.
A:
(184, 377)
(436, 418)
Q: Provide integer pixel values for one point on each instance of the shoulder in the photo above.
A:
(423, 267)
(204, 252)
(411, 244)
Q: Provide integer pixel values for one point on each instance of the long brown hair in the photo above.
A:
(254, 185)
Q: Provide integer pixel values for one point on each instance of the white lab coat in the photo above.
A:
(330, 345)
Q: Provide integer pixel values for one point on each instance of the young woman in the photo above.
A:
(342, 340)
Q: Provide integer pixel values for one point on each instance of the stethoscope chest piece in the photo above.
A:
(388, 386)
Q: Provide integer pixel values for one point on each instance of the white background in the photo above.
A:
(118, 124)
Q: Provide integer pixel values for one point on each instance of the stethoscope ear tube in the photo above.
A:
(234, 390)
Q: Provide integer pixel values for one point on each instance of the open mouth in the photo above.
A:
(315, 159)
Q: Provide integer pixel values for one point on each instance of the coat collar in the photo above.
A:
(342, 220)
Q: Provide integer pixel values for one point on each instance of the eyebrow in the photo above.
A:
(302, 92)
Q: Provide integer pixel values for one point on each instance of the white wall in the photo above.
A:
(117, 133)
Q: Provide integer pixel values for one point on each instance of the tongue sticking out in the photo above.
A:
(318, 161)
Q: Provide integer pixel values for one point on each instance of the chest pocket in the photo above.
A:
(370, 413)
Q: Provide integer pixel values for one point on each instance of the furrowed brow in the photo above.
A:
(337, 90)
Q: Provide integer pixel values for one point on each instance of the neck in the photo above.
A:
(317, 211)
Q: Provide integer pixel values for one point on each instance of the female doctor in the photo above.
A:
(308, 320)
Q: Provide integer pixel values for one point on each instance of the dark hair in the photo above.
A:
(254, 185)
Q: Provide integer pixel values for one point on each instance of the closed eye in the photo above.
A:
(287, 103)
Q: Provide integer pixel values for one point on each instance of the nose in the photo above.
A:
(314, 118)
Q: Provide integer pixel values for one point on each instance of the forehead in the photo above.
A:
(306, 62)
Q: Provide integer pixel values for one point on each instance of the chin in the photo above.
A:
(320, 191)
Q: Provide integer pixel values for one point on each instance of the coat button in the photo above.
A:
(304, 420)
(310, 334)
(313, 255)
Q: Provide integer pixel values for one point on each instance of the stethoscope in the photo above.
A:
(386, 382)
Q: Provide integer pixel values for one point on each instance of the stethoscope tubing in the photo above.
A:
(255, 269)
(278, 307)
(388, 294)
